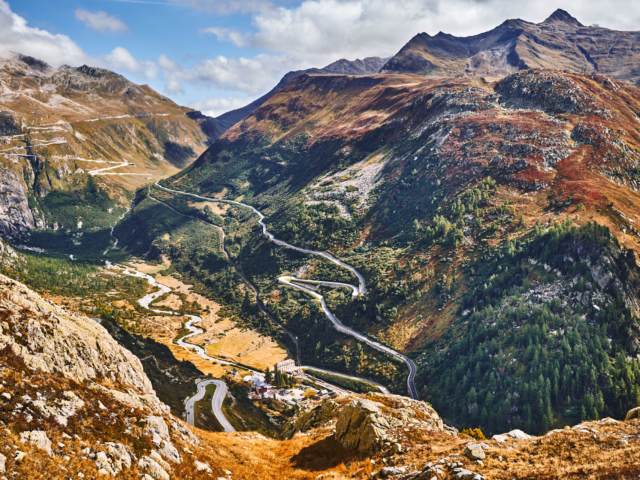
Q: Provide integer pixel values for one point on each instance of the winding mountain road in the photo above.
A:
(216, 403)
(221, 388)
(298, 284)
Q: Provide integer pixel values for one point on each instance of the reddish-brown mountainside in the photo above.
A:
(551, 136)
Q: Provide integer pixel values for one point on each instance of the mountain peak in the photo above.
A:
(562, 16)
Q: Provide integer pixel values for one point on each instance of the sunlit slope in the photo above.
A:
(61, 126)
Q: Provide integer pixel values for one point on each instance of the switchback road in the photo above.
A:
(216, 403)
(298, 283)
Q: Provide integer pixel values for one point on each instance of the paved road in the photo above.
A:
(382, 388)
(103, 171)
(296, 283)
(261, 306)
(290, 281)
(216, 403)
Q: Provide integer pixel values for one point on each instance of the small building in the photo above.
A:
(287, 366)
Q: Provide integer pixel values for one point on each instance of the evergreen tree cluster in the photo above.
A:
(510, 364)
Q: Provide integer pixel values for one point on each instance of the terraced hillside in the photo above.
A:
(77, 142)
(487, 217)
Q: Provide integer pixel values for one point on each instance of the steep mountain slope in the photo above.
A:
(560, 42)
(498, 215)
(76, 142)
(367, 66)
(75, 404)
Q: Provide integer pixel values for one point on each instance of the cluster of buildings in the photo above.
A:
(291, 395)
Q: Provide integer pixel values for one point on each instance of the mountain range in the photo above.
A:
(559, 43)
(367, 66)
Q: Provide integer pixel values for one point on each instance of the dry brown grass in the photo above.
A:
(568, 454)
(205, 366)
(302, 457)
(248, 347)
(172, 301)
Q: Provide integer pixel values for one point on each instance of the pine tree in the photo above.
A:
(267, 376)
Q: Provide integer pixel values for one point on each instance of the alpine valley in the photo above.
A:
(416, 267)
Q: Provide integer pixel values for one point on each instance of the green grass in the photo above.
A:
(61, 276)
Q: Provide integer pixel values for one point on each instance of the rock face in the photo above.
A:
(15, 217)
(361, 426)
(377, 423)
(371, 423)
(311, 418)
(63, 368)
(633, 413)
(38, 438)
(54, 340)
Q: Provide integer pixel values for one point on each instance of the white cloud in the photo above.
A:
(251, 76)
(217, 106)
(226, 34)
(121, 58)
(56, 49)
(101, 21)
(168, 64)
(248, 75)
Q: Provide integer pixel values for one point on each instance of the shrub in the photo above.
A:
(474, 433)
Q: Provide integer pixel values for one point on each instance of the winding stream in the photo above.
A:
(150, 297)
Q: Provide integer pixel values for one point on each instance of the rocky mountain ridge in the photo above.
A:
(560, 43)
(66, 382)
(366, 66)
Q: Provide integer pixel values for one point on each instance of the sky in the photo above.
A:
(218, 55)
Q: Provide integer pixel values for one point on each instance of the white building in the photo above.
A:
(287, 366)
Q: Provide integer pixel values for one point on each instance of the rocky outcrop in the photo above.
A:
(37, 438)
(633, 413)
(311, 417)
(369, 423)
(92, 380)
(53, 340)
(114, 460)
(361, 426)
(377, 423)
